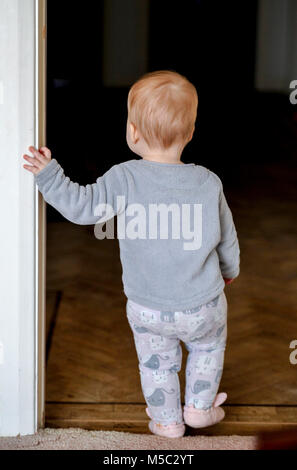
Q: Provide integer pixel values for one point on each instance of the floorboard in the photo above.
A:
(240, 420)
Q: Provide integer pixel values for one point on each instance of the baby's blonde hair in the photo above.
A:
(163, 107)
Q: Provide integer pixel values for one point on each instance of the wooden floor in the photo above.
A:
(92, 373)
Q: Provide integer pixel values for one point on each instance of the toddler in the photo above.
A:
(178, 248)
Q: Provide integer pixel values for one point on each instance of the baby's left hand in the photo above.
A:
(40, 159)
(227, 281)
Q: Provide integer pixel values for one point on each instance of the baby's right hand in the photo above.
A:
(227, 280)
(40, 159)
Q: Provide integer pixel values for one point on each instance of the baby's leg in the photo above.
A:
(159, 363)
(206, 359)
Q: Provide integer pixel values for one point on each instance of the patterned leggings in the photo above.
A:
(157, 336)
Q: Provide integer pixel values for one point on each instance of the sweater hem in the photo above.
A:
(169, 306)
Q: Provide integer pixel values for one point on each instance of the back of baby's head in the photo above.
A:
(163, 107)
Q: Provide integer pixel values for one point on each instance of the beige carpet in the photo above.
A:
(74, 438)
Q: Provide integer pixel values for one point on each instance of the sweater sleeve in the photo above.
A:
(77, 203)
(228, 248)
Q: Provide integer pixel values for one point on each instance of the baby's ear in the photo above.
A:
(134, 133)
(192, 133)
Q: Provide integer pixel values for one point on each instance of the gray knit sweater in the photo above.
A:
(174, 268)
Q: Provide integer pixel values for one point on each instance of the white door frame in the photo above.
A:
(22, 222)
(40, 212)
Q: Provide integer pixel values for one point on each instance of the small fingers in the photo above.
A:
(31, 168)
(33, 161)
(38, 155)
(46, 152)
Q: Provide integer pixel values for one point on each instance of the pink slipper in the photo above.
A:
(196, 418)
(173, 430)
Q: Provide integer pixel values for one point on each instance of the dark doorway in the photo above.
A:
(246, 135)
